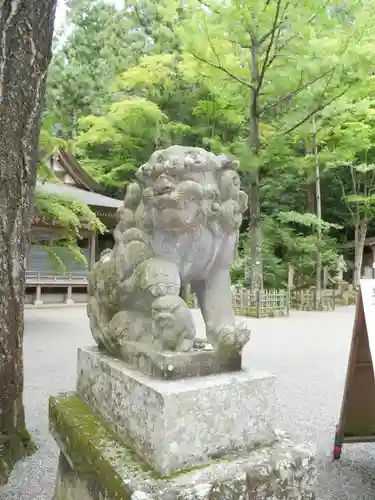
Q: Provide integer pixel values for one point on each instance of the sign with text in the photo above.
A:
(357, 418)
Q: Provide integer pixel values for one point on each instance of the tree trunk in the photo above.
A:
(255, 222)
(310, 181)
(26, 29)
(319, 268)
(311, 197)
(74, 124)
(359, 243)
(255, 233)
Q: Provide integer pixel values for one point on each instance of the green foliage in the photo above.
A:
(303, 61)
(112, 146)
(61, 251)
(195, 115)
(48, 146)
(348, 137)
(308, 219)
(125, 82)
(70, 214)
(286, 241)
(67, 212)
(286, 61)
(87, 59)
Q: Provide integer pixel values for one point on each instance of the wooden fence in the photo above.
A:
(257, 304)
(275, 303)
(307, 300)
(261, 303)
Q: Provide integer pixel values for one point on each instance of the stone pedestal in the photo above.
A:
(174, 425)
(127, 435)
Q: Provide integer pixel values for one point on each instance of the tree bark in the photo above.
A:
(26, 29)
(310, 183)
(255, 222)
(311, 197)
(319, 267)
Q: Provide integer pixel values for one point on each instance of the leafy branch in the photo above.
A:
(301, 87)
(270, 45)
(224, 70)
(308, 220)
(318, 108)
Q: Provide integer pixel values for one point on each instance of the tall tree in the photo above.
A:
(102, 41)
(26, 30)
(287, 57)
(348, 138)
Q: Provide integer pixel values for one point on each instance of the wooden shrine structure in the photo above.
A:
(45, 282)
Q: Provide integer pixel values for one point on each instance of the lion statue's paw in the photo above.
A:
(233, 337)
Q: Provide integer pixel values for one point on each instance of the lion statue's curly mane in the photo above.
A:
(178, 225)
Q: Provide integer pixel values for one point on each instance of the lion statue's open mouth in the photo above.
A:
(179, 224)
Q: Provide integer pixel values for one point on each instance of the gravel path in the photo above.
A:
(307, 352)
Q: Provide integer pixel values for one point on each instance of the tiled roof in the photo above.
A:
(88, 197)
(71, 165)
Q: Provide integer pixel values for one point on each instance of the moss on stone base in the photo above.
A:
(14, 447)
(94, 449)
(96, 465)
(98, 454)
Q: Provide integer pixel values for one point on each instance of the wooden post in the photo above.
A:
(69, 296)
(258, 303)
(317, 299)
(38, 298)
(325, 277)
(290, 276)
(92, 249)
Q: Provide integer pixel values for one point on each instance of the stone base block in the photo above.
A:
(95, 465)
(177, 365)
(178, 424)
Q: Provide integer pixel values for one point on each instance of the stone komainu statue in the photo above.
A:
(179, 225)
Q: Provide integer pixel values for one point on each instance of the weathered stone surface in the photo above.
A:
(173, 425)
(95, 465)
(178, 226)
(177, 365)
(69, 485)
(341, 267)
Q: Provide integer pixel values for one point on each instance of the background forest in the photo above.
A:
(286, 86)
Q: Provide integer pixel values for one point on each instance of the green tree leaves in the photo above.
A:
(243, 77)
(112, 146)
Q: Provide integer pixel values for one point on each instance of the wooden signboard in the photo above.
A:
(357, 418)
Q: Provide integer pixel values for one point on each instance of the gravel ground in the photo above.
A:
(307, 352)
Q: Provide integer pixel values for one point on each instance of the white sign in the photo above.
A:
(368, 300)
